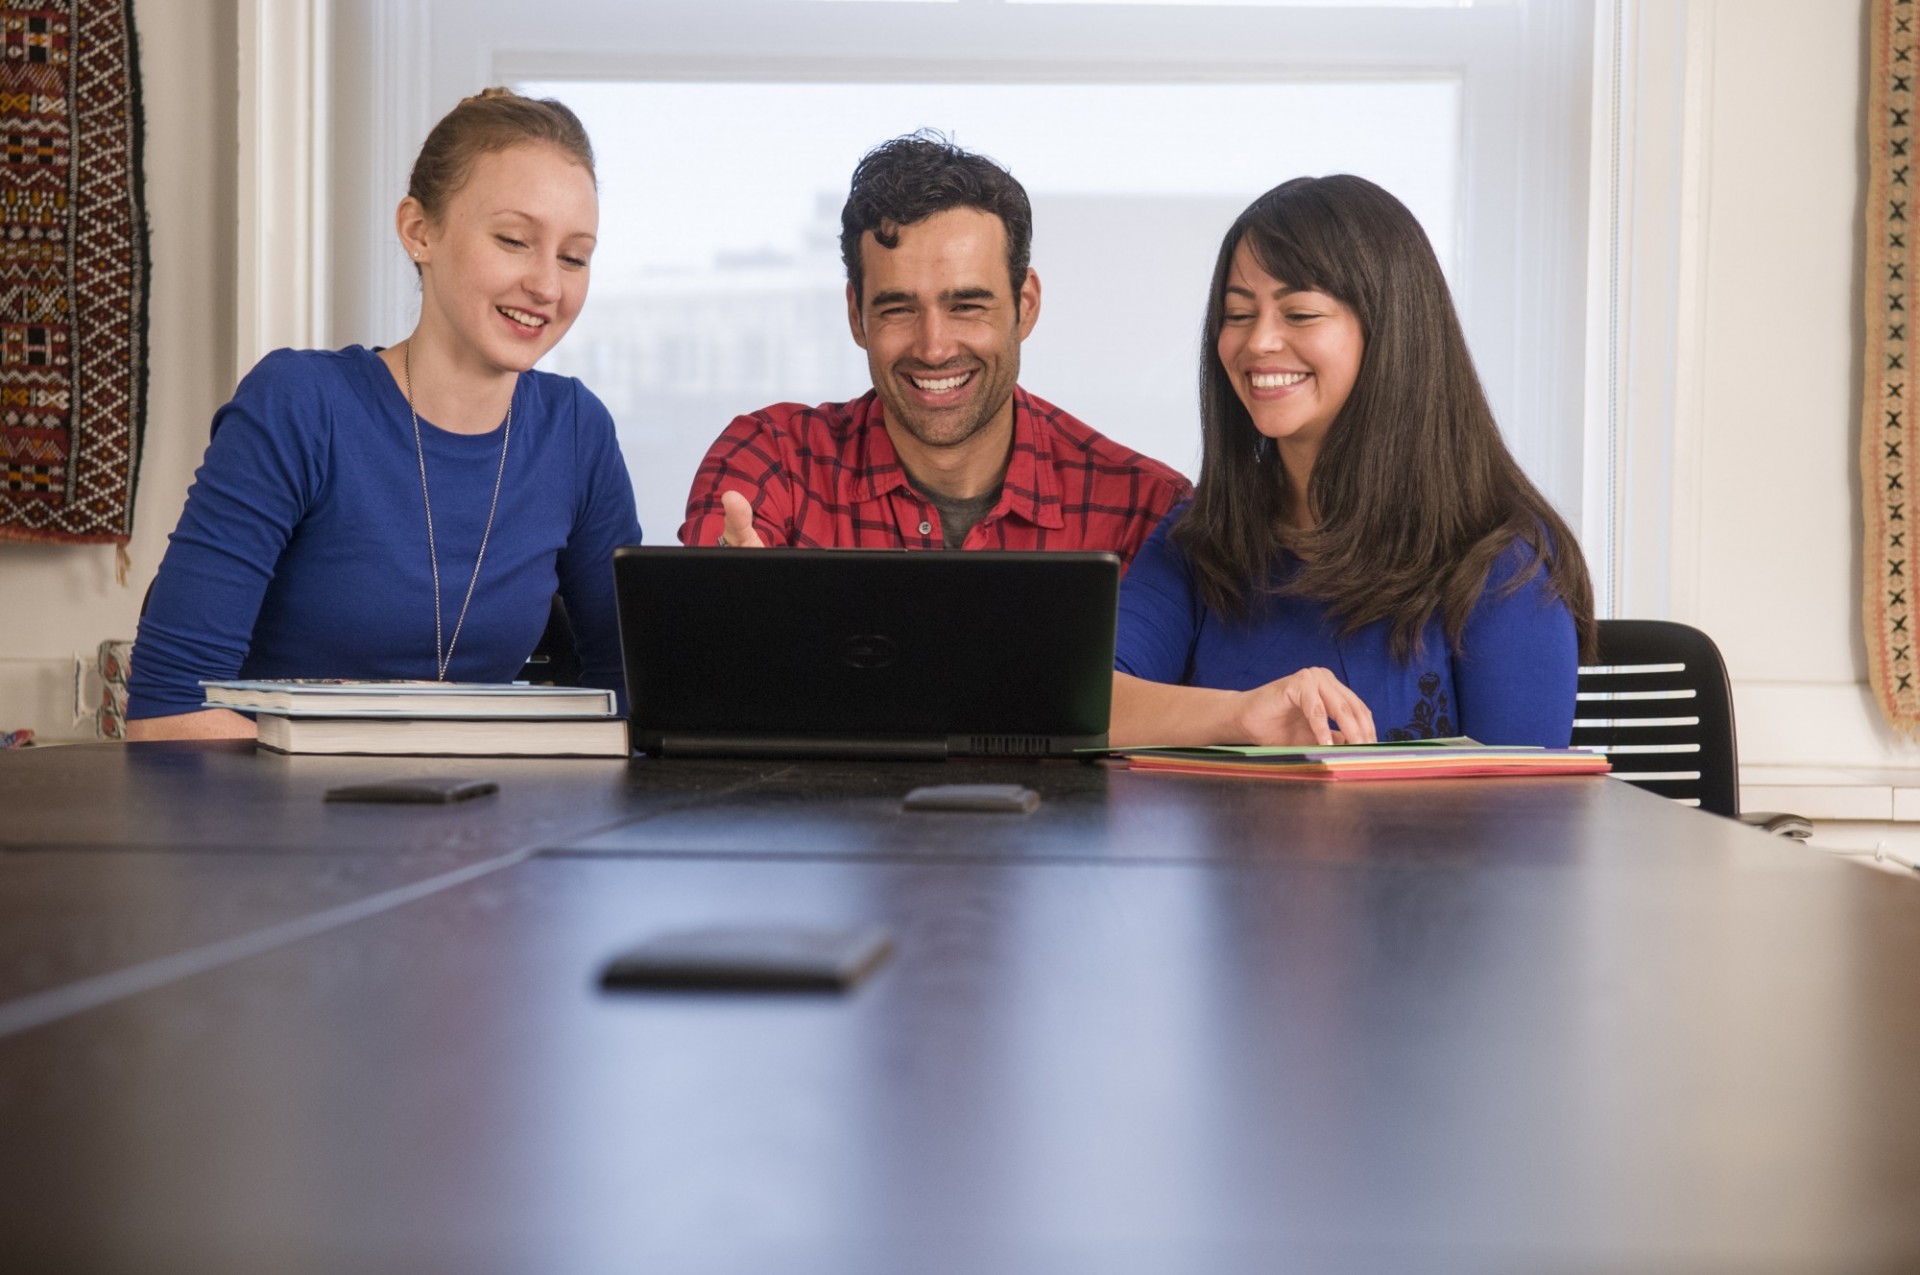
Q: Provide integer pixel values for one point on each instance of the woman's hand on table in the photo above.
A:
(1298, 708)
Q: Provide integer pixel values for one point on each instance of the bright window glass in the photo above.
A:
(718, 286)
(1277, 4)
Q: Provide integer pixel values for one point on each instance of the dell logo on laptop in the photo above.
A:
(868, 650)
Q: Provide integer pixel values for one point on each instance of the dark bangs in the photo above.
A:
(1295, 237)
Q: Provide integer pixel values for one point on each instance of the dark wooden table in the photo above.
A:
(1160, 1024)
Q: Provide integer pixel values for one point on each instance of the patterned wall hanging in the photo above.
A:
(1890, 427)
(73, 273)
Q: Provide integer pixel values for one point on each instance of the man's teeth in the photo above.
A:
(1276, 380)
(521, 316)
(942, 385)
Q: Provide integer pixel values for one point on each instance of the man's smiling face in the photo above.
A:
(942, 326)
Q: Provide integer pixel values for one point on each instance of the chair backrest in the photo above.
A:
(556, 661)
(1658, 704)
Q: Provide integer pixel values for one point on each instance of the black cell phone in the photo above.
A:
(431, 790)
(752, 958)
(1012, 799)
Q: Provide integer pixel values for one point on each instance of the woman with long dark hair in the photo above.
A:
(1362, 558)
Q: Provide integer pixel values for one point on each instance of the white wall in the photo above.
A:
(55, 600)
(1770, 389)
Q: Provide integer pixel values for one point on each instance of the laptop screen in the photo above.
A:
(867, 652)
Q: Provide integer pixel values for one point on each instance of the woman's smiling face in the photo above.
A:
(1292, 354)
(504, 267)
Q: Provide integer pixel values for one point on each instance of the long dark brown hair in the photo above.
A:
(1414, 495)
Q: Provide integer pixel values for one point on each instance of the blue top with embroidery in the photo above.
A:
(1512, 682)
(302, 551)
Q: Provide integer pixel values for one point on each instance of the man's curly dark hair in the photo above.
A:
(910, 178)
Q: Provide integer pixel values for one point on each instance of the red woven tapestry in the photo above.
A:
(73, 272)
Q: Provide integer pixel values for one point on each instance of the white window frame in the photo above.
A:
(282, 293)
(1652, 82)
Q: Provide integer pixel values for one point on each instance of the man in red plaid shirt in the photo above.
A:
(945, 450)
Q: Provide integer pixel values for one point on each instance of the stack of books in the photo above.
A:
(428, 718)
(1416, 759)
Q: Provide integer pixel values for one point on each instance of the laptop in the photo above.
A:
(866, 653)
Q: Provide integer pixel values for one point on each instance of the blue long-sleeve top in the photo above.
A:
(302, 551)
(1511, 681)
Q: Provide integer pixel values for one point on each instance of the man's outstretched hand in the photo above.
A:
(739, 532)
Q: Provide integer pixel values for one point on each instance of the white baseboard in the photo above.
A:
(1816, 724)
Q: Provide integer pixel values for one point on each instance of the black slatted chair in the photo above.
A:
(1658, 704)
(556, 660)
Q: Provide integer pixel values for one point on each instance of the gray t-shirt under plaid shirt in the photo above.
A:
(958, 516)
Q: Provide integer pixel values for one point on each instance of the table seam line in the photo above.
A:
(40, 1008)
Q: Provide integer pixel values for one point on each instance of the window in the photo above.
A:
(727, 130)
(720, 289)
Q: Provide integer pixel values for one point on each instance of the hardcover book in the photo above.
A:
(321, 697)
(446, 736)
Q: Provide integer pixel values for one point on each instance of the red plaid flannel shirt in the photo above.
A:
(828, 477)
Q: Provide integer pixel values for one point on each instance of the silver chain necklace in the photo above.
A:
(443, 656)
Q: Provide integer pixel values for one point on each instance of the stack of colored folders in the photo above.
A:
(1458, 758)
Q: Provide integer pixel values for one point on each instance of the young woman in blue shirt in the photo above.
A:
(410, 512)
(1362, 558)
